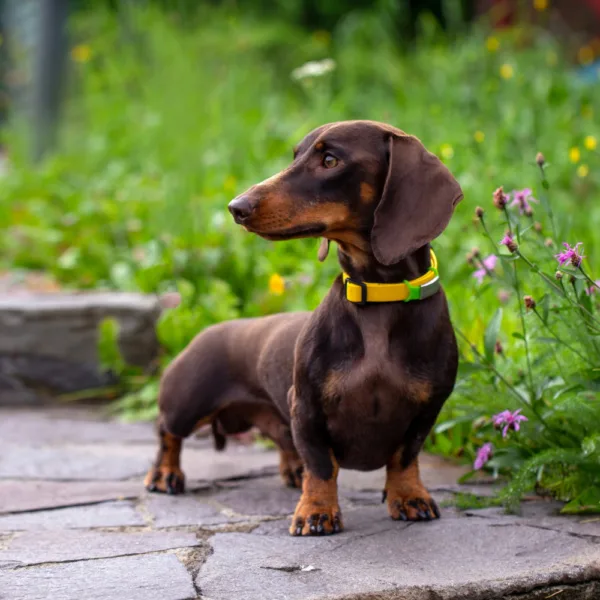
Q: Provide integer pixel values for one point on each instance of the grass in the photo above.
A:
(167, 120)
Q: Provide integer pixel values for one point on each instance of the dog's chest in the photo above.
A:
(376, 379)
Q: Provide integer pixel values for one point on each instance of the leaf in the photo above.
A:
(445, 425)
(544, 304)
(108, 346)
(518, 335)
(491, 335)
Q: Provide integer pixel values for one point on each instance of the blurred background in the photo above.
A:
(128, 125)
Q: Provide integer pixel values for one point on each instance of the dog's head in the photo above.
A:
(360, 183)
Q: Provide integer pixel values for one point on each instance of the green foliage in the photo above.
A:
(169, 118)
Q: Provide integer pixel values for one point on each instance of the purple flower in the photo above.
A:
(593, 289)
(508, 419)
(483, 455)
(509, 242)
(488, 265)
(574, 255)
(522, 198)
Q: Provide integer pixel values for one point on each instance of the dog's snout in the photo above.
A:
(241, 208)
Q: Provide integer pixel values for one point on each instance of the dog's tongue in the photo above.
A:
(323, 249)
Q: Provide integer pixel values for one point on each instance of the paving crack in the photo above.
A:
(354, 538)
(173, 550)
(70, 505)
(595, 539)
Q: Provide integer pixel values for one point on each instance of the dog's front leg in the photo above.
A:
(318, 510)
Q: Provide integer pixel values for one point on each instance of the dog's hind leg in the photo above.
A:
(166, 475)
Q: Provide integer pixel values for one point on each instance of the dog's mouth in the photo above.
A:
(302, 231)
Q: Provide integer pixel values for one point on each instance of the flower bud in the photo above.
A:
(558, 275)
(539, 159)
(479, 212)
(500, 198)
(529, 302)
(548, 242)
(537, 226)
(498, 349)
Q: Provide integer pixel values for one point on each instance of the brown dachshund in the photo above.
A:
(359, 382)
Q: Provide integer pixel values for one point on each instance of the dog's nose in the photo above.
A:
(241, 208)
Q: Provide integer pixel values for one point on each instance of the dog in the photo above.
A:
(359, 382)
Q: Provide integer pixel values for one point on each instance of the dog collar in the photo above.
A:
(361, 292)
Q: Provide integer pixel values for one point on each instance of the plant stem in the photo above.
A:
(547, 204)
(513, 389)
(590, 280)
(524, 328)
(555, 336)
(561, 290)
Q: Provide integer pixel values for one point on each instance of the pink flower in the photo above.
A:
(508, 419)
(503, 296)
(522, 198)
(509, 242)
(483, 455)
(593, 289)
(488, 265)
(574, 255)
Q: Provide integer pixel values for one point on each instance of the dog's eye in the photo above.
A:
(330, 161)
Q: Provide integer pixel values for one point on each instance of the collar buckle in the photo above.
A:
(363, 290)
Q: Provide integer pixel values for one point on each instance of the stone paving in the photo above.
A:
(75, 523)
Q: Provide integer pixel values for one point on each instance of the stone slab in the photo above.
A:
(146, 577)
(235, 462)
(187, 509)
(73, 462)
(436, 473)
(23, 495)
(36, 547)
(114, 461)
(266, 496)
(54, 425)
(478, 559)
(108, 514)
(65, 326)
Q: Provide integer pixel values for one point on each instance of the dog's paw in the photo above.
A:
(417, 507)
(168, 480)
(315, 518)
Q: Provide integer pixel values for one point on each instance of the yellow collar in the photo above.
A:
(361, 292)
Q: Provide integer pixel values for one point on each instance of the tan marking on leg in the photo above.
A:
(407, 498)
(318, 511)
(166, 474)
(290, 468)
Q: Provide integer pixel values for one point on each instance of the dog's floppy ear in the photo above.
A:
(417, 202)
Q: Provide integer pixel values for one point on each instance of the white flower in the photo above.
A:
(314, 68)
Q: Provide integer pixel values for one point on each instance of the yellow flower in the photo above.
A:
(583, 170)
(447, 150)
(590, 142)
(540, 5)
(479, 136)
(81, 53)
(585, 55)
(276, 284)
(574, 154)
(506, 71)
(229, 184)
(492, 44)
